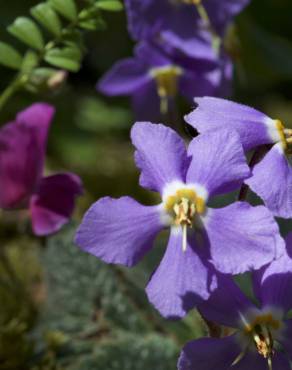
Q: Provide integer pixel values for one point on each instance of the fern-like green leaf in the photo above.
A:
(9, 57)
(66, 58)
(25, 30)
(47, 16)
(67, 8)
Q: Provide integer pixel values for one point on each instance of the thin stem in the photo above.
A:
(214, 330)
(216, 39)
(11, 89)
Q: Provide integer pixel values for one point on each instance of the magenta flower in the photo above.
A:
(272, 176)
(262, 338)
(234, 239)
(177, 22)
(50, 200)
(155, 76)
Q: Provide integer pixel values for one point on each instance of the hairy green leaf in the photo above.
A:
(9, 57)
(25, 30)
(110, 5)
(67, 58)
(65, 7)
(46, 16)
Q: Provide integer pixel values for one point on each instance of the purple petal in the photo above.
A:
(196, 45)
(254, 127)
(276, 280)
(253, 361)
(119, 230)
(151, 54)
(280, 362)
(192, 83)
(125, 78)
(272, 181)
(222, 13)
(144, 17)
(181, 280)
(146, 103)
(218, 162)
(286, 338)
(226, 303)
(161, 155)
(22, 153)
(53, 204)
(242, 238)
(210, 354)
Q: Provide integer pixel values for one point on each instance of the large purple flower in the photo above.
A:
(177, 22)
(272, 176)
(22, 153)
(234, 239)
(263, 336)
(154, 76)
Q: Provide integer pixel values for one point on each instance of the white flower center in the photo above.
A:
(182, 207)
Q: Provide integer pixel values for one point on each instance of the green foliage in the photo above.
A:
(66, 23)
(25, 30)
(46, 16)
(94, 115)
(67, 8)
(18, 307)
(68, 58)
(97, 316)
(265, 56)
(10, 57)
(109, 5)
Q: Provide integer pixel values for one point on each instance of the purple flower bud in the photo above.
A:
(50, 200)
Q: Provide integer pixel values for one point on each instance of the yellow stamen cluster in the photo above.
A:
(264, 319)
(166, 81)
(182, 207)
(260, 331)
(285, 135)
(192, 2)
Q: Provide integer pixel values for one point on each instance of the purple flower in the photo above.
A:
(50, 200)
(263, 333)
(235, 238)
(272, 176)
(154, 76)
(177, 22)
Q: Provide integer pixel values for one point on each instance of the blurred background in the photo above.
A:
(63, 309)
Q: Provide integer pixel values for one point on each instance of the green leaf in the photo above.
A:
(46, 16)
(67, 58)
(65, 7)
(9, 57)
(25, 30)
(110, 5)
(30, 61)
(44, 73)
(90, 24)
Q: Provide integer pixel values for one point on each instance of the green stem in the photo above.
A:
(21, 79)
(216, 39)
(11, 90)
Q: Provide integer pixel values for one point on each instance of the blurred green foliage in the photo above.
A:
(60, 308)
